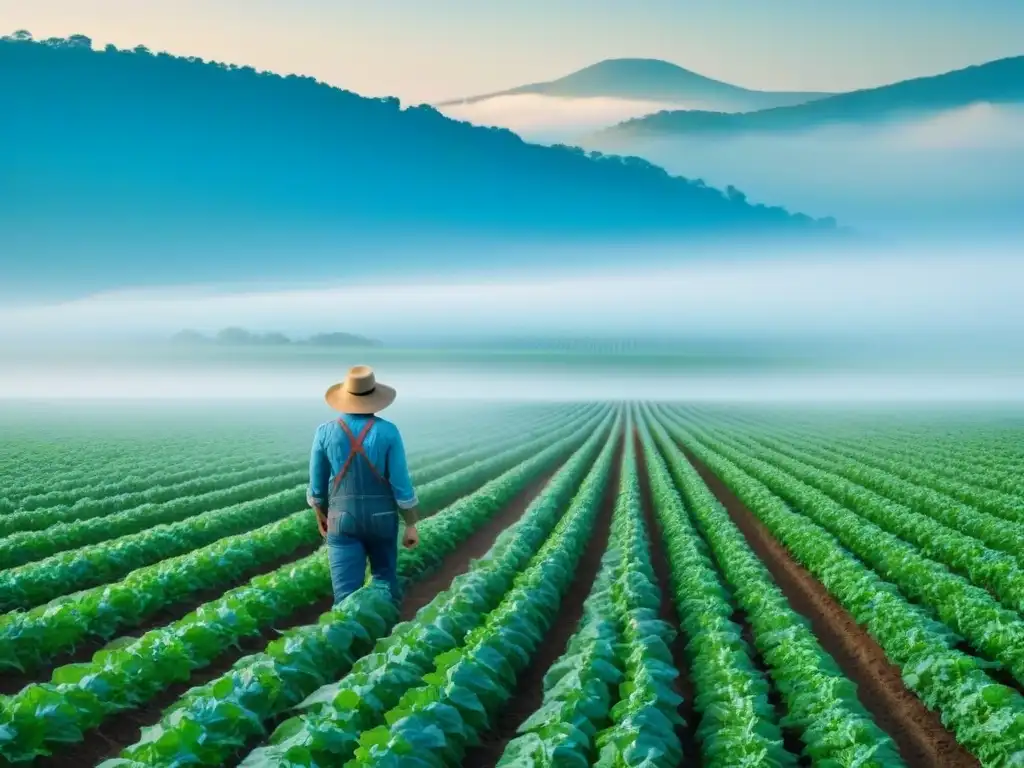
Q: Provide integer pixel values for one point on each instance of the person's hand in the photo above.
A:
(411, 538)
(321, 522)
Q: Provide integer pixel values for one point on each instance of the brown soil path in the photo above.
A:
(125, 728)
(529, 693)
(918, 733)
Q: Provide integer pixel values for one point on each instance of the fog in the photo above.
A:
(553, 119)
(883, 291)
(613, 380)
(959, 171)
(879, 325)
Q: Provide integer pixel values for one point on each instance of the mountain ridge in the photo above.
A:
(134, 168)
(999, 81)
(644, 79)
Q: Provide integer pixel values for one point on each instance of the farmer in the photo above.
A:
(358, 481)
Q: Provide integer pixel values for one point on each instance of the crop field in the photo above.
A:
(599, 584)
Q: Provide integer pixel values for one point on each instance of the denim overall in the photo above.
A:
(362, 521)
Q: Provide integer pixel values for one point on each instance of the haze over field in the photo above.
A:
(156, 191)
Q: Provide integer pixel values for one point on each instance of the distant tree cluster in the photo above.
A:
(240, 337)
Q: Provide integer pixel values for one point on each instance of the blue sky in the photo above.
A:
(426, 50)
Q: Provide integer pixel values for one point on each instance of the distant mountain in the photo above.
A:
(240, 337)
(128, 168)
(651, 80)
(997, 82)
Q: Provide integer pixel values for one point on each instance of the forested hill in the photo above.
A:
(103, 146)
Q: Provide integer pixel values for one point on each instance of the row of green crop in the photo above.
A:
(166, 503)
(972, 476)
(996, 632)
(81, 696)
(579, 690)
(31, 546)
(1000, 573)
(643, 724)
(989, 442)
(38, 582)
(32, 584)
(17, 513)
(995, 532)
(140, 470)
(137, 469)
(110, 497)
(187, 733)
(955, 479)
(738, 726)
(619, 647)
(487, 446)
(455, 702)
(961, 476)
(987, 718)
(519, 441)
(29, 639)
(105, 523)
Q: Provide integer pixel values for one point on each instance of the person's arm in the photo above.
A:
(319, 480)
(401, 482)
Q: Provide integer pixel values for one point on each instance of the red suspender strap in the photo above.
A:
(356, 448)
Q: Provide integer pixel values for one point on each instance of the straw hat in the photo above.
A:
(360, 393)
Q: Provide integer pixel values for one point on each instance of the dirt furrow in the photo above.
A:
(918, 733)
(125, 728)
(529, 693)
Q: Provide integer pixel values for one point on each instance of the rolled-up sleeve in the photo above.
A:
(398, 473)
(319, 473)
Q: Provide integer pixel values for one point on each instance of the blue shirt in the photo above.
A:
(383, 446)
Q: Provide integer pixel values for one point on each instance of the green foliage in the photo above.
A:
(329, 730)
(738, 725)
(986, 717)
(81, 696)
(643, 721)
(821, 702)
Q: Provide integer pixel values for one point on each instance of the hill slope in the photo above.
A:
(997, 82)
(124, 167)
(651, 80)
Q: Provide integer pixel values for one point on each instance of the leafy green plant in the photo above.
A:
(30, 546)
(821, 703)
(986, 717)
(966, 608)
(80, 696)
(999, 572)
(645, 718)
(329, 729)
(184, 735)
(738, 726)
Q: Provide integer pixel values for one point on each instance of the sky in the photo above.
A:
(429, 51)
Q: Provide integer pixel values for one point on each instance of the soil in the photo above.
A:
(670, 615)
(918, 733)
(125, 728)
(529, 693)
(84, 651)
